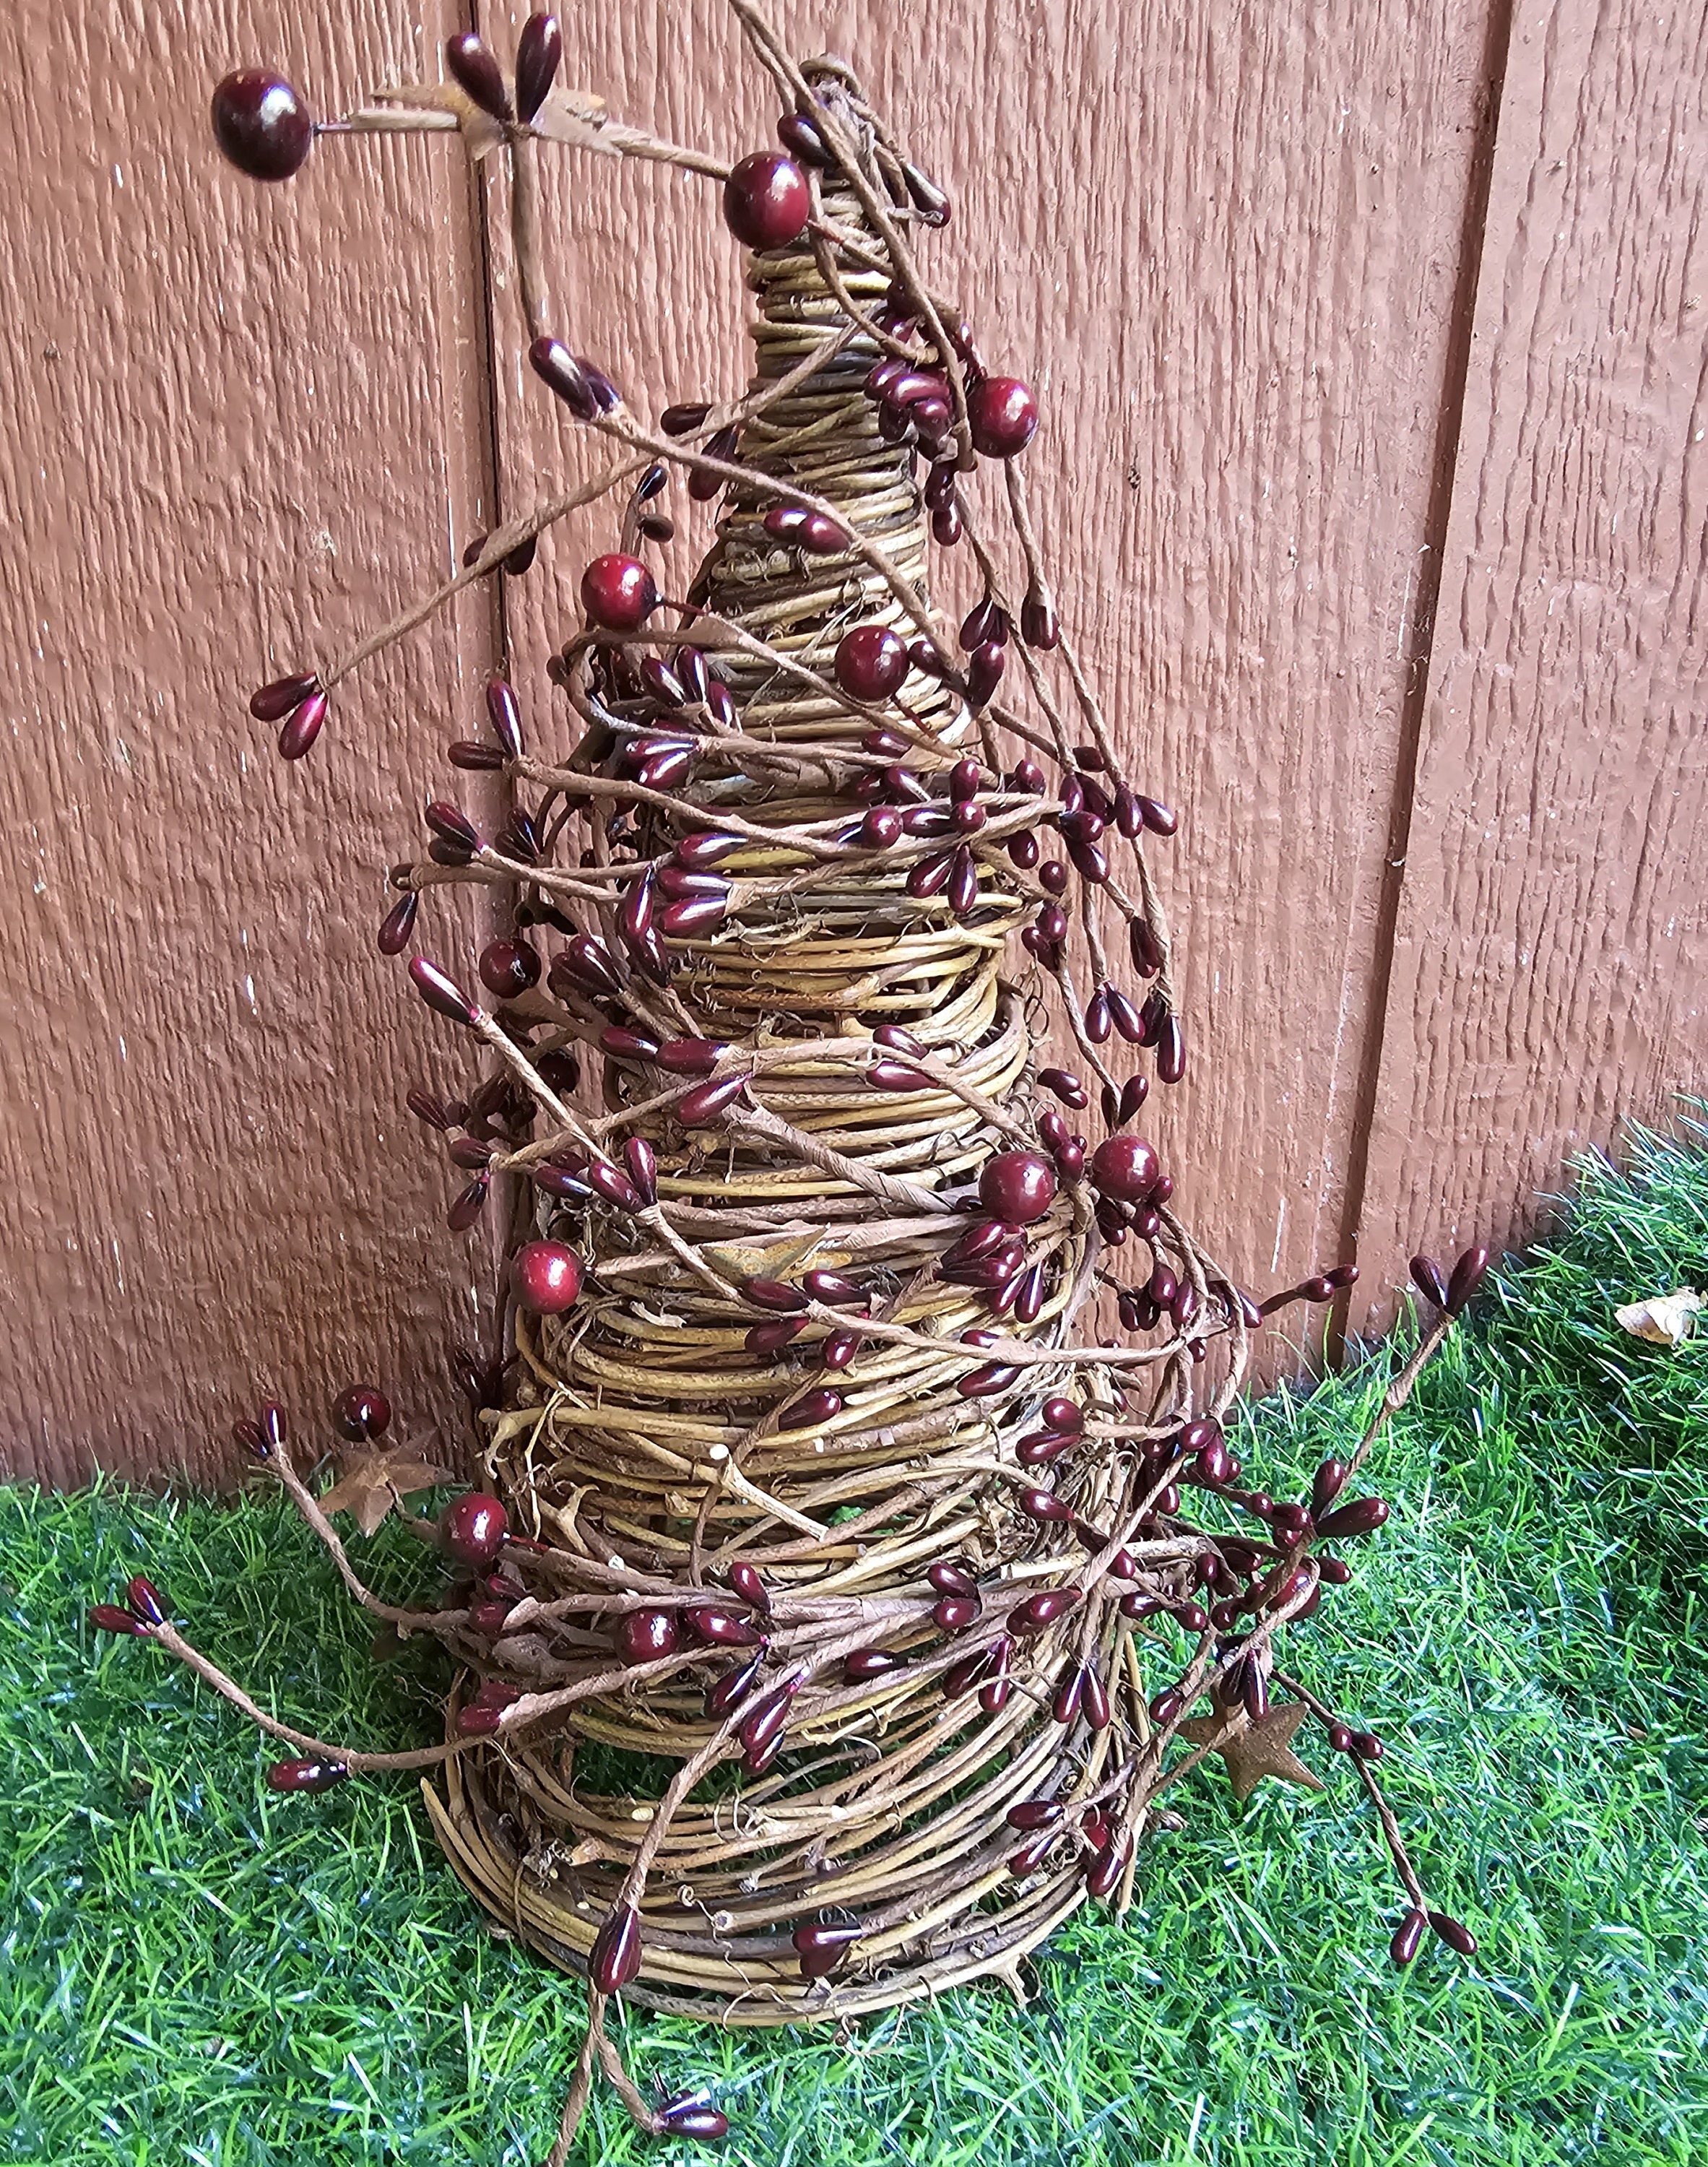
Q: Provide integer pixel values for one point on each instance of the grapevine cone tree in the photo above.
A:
(807, 1474)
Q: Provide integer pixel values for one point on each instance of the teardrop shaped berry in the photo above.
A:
(1045, 1505)
(1456, 1936)
(469, 1203)
(109, 1618)
(776, 1294)
(1427, 1278)
(1066, 1706)
(1360, 1518)
(733, 1686)
(441, 993)
(1104, 1875)
(691, 1057)
(262, 126)
(821, 1949)
(302, 726)
(1404, 1945)
(864, 1663)
(643, 1163)
(1042, 1609)
(546, 1278)
(746, 1582)
(539, 52)
(988, 1380)
(994, 1694)
(811, 1409)
(1042, 1446)
(612, 1186)
(1031, 1856)
(691, 2116)
(766, 200)
(767, 1339)
(1034, 1814)
(761, 1730)
(563, 376)
(586, 963)
(616, 1950)
(1467, 1277)
(306, 1775)
(962, 1676)
(955, 1613)
(706, 1101)
(823, 536)
(837, 1290)
(949, 1579)
(398, 924)
(272, 702)
(472, 1528)
(720, 1629)
(475, 68)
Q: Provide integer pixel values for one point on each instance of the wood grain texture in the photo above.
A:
(234, 419)
(243, 424)
(1225, 245)
(1552, 945)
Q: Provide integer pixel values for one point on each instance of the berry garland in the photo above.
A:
(807, 1474)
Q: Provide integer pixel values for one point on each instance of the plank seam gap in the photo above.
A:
(1497, 42)
(503, 1225)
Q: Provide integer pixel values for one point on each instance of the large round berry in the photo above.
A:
(261, 125)
(1125, 1166)
(1003, 414)
(509, 967)
(471, 1530)
(363, 1412)
(618, 592)
(547, 1277)
(1019, 1186)
(766, 202)
(871, 662)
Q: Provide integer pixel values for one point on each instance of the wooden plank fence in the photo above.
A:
(1372, 346)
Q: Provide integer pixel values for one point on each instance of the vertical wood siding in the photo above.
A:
(1344, 343)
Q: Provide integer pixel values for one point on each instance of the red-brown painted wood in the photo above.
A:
(236, 420)
(1552, 942)
(1234, 250)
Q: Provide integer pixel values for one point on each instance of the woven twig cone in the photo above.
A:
(833, 1621)
(651, 1440)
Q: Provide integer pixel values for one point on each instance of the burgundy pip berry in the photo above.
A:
(871, 663)
(261, 125)
(618, 592)
(546, 1278)
(1003, 414)
(766, 202)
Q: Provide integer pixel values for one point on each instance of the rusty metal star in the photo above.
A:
(1252, 1750)
(372, 1482)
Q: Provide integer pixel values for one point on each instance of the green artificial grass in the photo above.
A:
(195, 1971)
